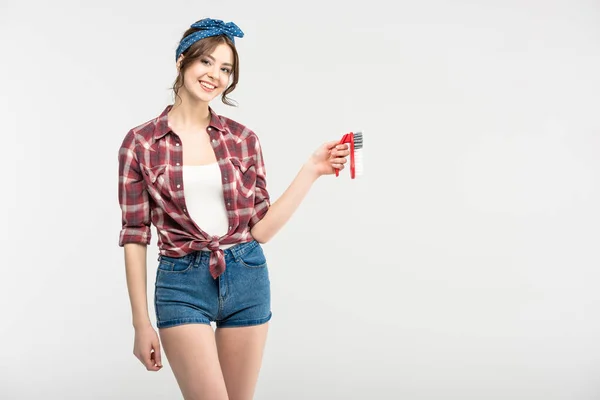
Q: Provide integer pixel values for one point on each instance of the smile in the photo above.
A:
(207, 85)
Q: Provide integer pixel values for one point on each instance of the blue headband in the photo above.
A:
(209, 27)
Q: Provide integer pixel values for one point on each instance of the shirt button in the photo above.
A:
(184, 210)
(178, 186)
(225, 179)
(177, 163)
(214, 140)
(176, 144)
(209, 128)
(228, 204)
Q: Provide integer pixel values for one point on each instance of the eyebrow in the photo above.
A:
(212, 58)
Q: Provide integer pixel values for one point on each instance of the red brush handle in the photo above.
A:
(348, 138)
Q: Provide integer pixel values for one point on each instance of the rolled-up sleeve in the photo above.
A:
(262, 201)
(133, 197)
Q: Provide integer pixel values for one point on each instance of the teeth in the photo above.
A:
(206, 85)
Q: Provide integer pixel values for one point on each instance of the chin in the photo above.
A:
(206, 96)
(202, 96)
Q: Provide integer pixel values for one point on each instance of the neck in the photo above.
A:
(188, 114)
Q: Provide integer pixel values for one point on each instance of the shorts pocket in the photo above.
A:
(175, 264)
(255, 258)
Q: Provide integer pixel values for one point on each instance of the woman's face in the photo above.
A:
(207, 77)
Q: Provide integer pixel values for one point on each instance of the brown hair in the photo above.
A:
(202, 48)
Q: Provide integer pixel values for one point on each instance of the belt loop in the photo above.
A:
(198, 260)
(234, 253)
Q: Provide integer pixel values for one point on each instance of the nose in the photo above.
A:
(215, 73)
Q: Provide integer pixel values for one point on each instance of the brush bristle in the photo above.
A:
(358, 162)
(358, 140)
(358, 154)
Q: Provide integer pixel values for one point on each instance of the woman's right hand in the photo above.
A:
(146, 348)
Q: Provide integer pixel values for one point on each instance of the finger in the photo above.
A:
(340, 153)
(149, 361)
(155, 366)
(338, 166)
(339, 161)
(157, 354)
(331, 145)
(341, 148)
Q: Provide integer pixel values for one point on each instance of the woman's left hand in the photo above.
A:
(329, 157)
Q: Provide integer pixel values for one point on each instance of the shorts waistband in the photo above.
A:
(233, 252)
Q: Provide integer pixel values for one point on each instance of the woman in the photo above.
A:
(200, 179)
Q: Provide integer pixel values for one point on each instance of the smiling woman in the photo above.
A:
(225, 56)
(212, 211)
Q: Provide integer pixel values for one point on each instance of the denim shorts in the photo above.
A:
(186, 293)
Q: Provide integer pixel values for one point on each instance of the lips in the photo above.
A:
(207, 86)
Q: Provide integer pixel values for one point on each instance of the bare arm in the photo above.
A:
(136, 274)
(135, 233)
(134, 238)
(281, 211)
(324, 161)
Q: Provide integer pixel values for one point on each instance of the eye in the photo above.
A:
(226, 70)
(205, 61)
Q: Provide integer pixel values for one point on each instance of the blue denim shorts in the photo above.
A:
(186, 293)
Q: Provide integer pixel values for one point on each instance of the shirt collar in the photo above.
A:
(161, 128)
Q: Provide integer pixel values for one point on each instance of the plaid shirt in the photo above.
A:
(151, 188)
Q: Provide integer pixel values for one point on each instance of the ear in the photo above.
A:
(179, 61)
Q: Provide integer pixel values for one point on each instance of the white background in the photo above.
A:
(463, 265)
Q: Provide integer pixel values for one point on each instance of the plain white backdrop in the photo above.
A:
(464, 265)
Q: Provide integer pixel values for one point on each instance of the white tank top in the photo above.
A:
(204, 200)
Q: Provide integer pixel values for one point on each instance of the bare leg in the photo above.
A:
(192, 354)
(240, 355)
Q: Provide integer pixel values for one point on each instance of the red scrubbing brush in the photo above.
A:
(355, 140)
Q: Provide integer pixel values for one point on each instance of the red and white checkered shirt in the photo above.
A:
(151, 187)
